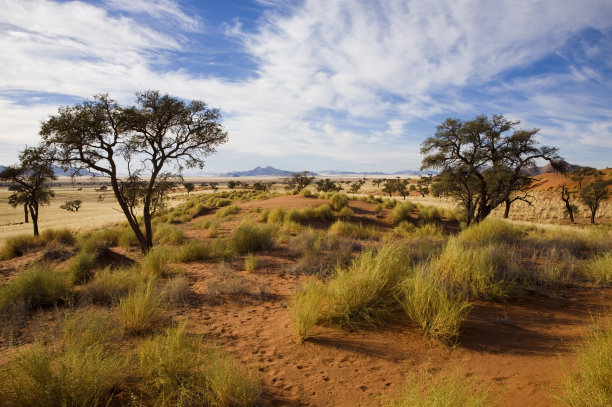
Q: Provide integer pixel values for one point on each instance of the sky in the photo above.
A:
(353, 85)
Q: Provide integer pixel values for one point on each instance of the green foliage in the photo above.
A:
(38, 286)
(250, 237)
(401, 212)
(428, 214)
(299, 181)
(276, 215)
(306, 193)
(327, 185)
(72, 206)
(338, 201)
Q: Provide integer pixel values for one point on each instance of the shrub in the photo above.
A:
(445, 391)
(156, 263)
(82, 266)
(168, 234)
(192, 250)
(63, 236)
(108, 285)
(362, 293)
(306, 307)
(338, 201)
(91, 326)
(250, 237)
(345, 213)
(342, 228)
(176, 290)
(429, 214)
(19, 245)
(182, 371)
(37, 287)
(485, 272)
(80, 376)
(276, 215)
(599, 269)
(492, 231)
(250, 262)
(592, 385)
(139, 310)
(307, 193)
(221, 202)
(401, 212)
(431, 306)
(227, 211)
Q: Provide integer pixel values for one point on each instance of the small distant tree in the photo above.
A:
(72, 206)
(299, 180)
(189, 187)
(232, 184)
(327, 185)
(566, 197)
(204, 185)
(389, 187)
(356, 185)
(594, 193)
(214, 185)
(32, 176)
(582, 174)
(401, 186)
(159, 135)
(378, 181)
(422, 185)
(261, 186)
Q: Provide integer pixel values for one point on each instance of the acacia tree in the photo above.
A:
(32, 176)
(158, 134)
(594, 193)
(327, 185)
(299, 180)
(481, 164)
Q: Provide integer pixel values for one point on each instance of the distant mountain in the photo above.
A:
(262, 172)
(61, 173)
(549, 168)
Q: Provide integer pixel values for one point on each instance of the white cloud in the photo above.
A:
(340, 78)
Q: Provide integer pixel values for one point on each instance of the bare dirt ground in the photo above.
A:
(518, 349)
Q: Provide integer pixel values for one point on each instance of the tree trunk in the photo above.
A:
(593, 216)
(507, 211)
(146, 217)
(25, 213)
(34, 216)
(133, 222)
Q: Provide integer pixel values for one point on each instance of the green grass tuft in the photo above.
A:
(250, 237)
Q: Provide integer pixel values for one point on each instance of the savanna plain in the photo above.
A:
(294, 298)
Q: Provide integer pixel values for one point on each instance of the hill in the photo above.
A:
(267, 171)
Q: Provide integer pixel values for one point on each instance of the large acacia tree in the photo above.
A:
(484, 162)
(158, 135)
(32, 178)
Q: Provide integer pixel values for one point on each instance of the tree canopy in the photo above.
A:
(484, 162)
(153, 140)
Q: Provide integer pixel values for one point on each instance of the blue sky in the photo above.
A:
(320, 84)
